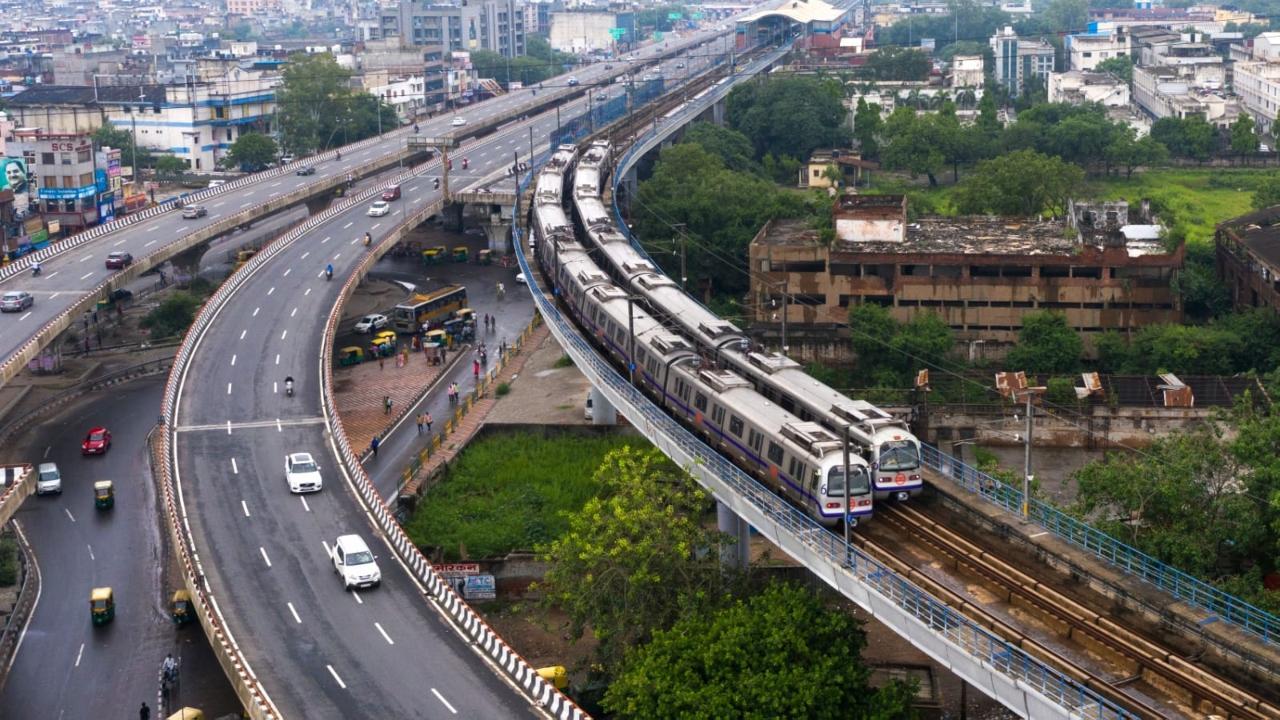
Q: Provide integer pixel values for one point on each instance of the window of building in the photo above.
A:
(1054, 271)
(1087, 272)
(68, 181)
(1016, 271)
(86, 179)
(49, 181)
(47, 158)
(84, 156)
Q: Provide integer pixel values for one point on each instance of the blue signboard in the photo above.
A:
(68, 193)
(100, 179)
(479, 587)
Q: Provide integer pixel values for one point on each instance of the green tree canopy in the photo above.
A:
(1267, 194)
(890, 352)
(173, 316)
(251, 152)
(897, 63)
(109, 135)
(779, 654)
(318, 110)
(866, 128)
(1022, 183)
(1046, 344)
(1244, 141)
(732, 147)
(635, 558)
(915, 143)
(790, 116)
(1121, 67)
(170, 168)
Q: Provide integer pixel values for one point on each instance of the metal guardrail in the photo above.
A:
(13, 495)
(1019, 681)
(1177, 583)
(17, 621)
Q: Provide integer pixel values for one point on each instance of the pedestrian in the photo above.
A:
(144, 712)
(420, 423)
(373, 445)
(428, 420)
(475, 369)
(386, 404)
(484, 357)
(486, 321)
(382, 361)
(502, 349)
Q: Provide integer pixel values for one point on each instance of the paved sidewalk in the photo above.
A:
(359, 391)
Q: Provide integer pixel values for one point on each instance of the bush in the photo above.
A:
(173, 317)
(563, 362)
(503, 389)
(1060, 391)
(8, 562)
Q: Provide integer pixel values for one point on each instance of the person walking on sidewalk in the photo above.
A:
(475, 369)
(386, 404)
(426, 418)
(373, 445)
(420, 422)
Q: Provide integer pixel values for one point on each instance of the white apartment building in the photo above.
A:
(966, 71)
(405, 94)
(1076, 87)
(1162, 92)
(1019, 60)
(1086, 50)
(1257, 82)
(200, 121)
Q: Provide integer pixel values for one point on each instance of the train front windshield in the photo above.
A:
(899, 455)
(859, 484)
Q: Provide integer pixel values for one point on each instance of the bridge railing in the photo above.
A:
(1018, 680)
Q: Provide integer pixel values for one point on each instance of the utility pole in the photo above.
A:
(631, 329)
(847, 479)
(530, 147)
(684, 274)
(137, 174)
(1030, 394)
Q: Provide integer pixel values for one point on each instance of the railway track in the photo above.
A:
(1133, 658)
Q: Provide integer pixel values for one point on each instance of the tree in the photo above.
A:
(790, 116)
(914, 143)
(921, 342)
(893, 63)
(1129, 152)
(1022, 183)
(314, 103)
(109, 135)
(866, 128)
(889, 352)
(779, 654)
(732, 147)
(251, 152)
(988, 114)
(1199, 137)
(1187, 349)
(1244, 141)
(1267, 193)
(1121, 67)
(635, 558)
(1046, 344)
(1063, 16)
(170, 168)
(173, 316)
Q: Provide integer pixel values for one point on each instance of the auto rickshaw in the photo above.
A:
(187, 713)
(454, 329)
(102, 605)
(460, 254)
(104, 495)
(180, 608)
(350, 355)
(557, 675)
(434, 255)
(485, 257)
(466, 315)
(436, 337)
(385, 339)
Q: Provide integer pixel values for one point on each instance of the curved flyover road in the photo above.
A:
(70, 275)
(320, 651)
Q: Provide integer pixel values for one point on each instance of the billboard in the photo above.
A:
(13, 176)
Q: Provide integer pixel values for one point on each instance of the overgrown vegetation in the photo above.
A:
(8, 562)
(471, 513)
(174, 315)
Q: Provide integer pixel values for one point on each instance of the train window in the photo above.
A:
(653, 367)
(717, 415)
(792, 467)
(700, 401)
(756, 440)
(679, 387)
(735, 425)
(775, 453)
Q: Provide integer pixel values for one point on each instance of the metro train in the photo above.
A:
(803, 461)
(892, 450)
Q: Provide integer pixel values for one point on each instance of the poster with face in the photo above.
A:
(13, 175)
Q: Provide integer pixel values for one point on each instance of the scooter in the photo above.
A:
(288, 388)
(35, 270)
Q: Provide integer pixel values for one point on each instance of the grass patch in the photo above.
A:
(503, 389)
(508, 492)
(563, 361)
(8, 562)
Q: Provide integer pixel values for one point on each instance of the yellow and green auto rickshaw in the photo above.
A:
(461, 254)
(434, 255)
(180, 608)
(485, 257)
(187, 713)
(350, 355)
(104, 494)
(466, 315)
(436, 338)
(102, 605)
(385, 341)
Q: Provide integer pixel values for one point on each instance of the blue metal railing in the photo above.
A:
(979, 643)
(1177, 583)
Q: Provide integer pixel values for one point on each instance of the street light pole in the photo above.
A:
(847, 479)
(631, 330)
(1026, 460)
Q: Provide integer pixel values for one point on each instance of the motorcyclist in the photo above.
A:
(465, 163)
(337, 154)
(328, 271)
(288, 385)
(368, 239)
(436, 183)
(415, 128)
(170, 667)
(35, 268)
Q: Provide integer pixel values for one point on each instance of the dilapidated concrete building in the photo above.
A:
(980, 274)
(1248, 258)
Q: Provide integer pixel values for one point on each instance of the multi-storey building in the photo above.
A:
(967, 71)
(1077, 88)
(1164, 91)
(70, 186)
(1247, 251)
(1018, 61)
(979, 274)
(493, 25)
(253, 7)
(1086, 50)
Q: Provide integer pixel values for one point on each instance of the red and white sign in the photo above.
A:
(457, 569)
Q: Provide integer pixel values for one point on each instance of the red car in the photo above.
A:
(97, 442)
(119, 260)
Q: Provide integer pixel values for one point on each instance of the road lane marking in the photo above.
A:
(47, 450)
(118, 243)
(308, 292)
(441, 699)
(243, 333)
(219, 204)
(353, 242)
(385, 636)
(255, 311)
(304, 255)
(278, 354)
(295, 312)
(294, 613)
(91, 557)
(55, 272)
(376, 226)
(334, 673)
(356, 594)
(79, 654)
(228, 388)
(325, 240)
(27, 315)
(337, 255)
(327, 552)
(275, 388)
(279, 427)
(286, 272)
(276, 184)
(68, 512)
(305, 506)
(245, 205)
(264, 555)
(86, 258)
(228, 427)
(235, 470)
(283, 333)
(273, 289)
(245, 506)
(149, 244)
(413, 189)
(86, 276)
(55, 294)
(353, 222)
(233, 360)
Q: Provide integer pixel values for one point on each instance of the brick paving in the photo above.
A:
(472, 419)
(359, 390)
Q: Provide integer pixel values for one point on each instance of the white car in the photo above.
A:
(520, 278)
(459, 121)
(48, 479)
(355, 563)
(16, 301)
(380, 208)
(369, 323)
(302, 473)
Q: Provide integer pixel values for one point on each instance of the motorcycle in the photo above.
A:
(35, 270)
(288, 387)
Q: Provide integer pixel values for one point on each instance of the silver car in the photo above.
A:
(16, 301)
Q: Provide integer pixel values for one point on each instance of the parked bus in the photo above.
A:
(409, 317)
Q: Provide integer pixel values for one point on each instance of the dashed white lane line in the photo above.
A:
(243, 333)
(48, 449)
(304, 255)
(245, 205)
(353, 222)
(385, 636)
(118, 243)
(233, 360)
(295, 312)
(308, 292)
(149, 244)
(376, 226)
(413, 189)
(265, 559)
(91, 557)
(228, 388)
(286, 272)
(219, 204)
(245, 506)
(283, 333)
(55, 272)
(86, 276)
(26, 315)
(275, 388)
(55, 294)
(79, 654)
(305, 506)
(356, 595)
(276, 184)
(442, 700)
(334, 673)
(273, 289)
(235, 469)
(279, 425)
(68, 512)
(228, 427)
(86, 258)
(278, 355)
(326, 239)
(294, 613)
(255, 311)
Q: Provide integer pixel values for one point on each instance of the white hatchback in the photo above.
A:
(379, 209)
(458, 121)
(48, 479)
(302, 473)
(355, 563)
